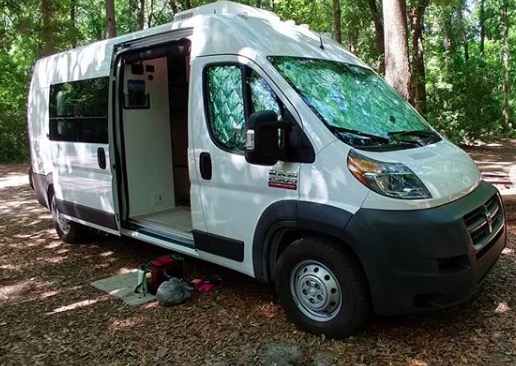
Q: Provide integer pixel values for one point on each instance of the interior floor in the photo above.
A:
(179, 218)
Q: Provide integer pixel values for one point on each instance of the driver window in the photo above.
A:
(230, 104)
(262, 96)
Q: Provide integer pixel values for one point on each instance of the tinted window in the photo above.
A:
(229, 104)
(78, 111)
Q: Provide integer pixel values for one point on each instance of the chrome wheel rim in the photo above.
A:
(315, 290)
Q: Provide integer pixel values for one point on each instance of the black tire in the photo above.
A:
(341, 304)
(68, 231)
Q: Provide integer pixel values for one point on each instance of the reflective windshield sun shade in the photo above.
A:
(226, 105)
(349, 96)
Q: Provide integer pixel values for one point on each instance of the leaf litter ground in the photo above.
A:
(50, 315)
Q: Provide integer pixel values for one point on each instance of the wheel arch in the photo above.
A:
(285, 221)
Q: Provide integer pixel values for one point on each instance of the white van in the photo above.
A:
(231, 136)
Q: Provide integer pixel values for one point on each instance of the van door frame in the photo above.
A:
(116, 143)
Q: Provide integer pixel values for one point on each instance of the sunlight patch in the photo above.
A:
(14, 181)
(417, 363)
(124, 323)
(78, 305)
(21, 289)
(502, 308)
(53, 245)
(55, 260)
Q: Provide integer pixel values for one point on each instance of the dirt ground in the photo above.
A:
(50, 314)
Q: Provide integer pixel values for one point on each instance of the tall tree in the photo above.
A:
(337, 21)
(418, 73)
(378, 27)
(73, 25)
(505, 64)
(48, 36)
(397, 67)
(110, 19)
(463, 33)
(482, 26)
(141, 15)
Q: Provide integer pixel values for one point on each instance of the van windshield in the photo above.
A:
(355, 103)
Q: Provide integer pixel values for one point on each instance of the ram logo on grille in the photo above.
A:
(489, 219)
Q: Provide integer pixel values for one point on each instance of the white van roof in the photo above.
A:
(222, 27)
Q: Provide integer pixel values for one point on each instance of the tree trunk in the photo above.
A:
(141, 15)
(173, 6)
(47, 28)
(110, 19)
(337, 21)
(482, 21)
(150, 18)
(397, 67)
(73, 26)
(378, 27)
(464, 34)
(418, 60)
(99, 25)
(353, 40)
(505, 60)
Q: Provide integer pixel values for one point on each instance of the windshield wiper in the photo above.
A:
(419, 134)
(360, 133)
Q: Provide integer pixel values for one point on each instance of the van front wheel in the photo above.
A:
(322, 288)
(68, 231)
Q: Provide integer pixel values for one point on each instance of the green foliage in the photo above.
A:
(464, 94)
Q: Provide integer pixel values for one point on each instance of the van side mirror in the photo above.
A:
(265, 138)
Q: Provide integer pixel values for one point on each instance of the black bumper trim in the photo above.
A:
(425, 259)
(41, 182)
(88, 214)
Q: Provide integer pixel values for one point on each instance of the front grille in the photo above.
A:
(484, 224)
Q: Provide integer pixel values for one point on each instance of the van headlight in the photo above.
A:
(389, 179)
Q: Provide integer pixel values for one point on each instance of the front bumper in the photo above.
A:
(429, 259)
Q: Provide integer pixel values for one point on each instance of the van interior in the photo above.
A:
(154, 138)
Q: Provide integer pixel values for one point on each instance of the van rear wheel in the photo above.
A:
(322, 288)
(68, 231)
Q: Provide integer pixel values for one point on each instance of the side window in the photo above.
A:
(226, 106)
(262, 96)
(78, 111)
(229, 104)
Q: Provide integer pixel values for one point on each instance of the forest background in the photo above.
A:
(450, 58)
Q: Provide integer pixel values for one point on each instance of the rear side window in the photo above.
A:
(78, 111)
(233, 92)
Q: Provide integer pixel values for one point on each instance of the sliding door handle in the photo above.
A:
(205, 165)
(101, 158)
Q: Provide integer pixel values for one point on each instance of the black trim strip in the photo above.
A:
(87, 214)
(219, 245)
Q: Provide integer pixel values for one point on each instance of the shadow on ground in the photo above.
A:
(49, 313)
